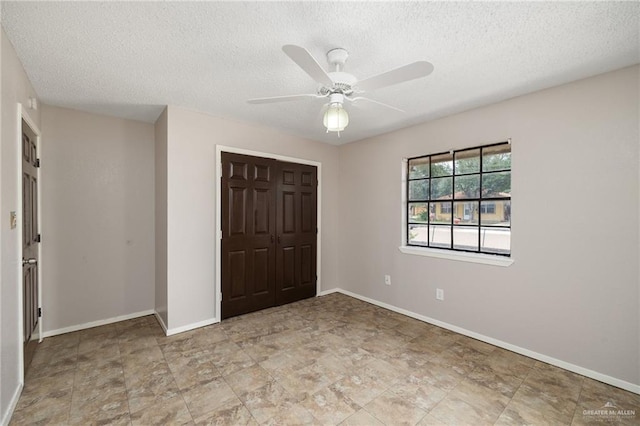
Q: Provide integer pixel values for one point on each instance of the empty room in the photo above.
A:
(319, 212)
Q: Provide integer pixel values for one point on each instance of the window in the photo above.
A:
(461, 200)
(488, 208)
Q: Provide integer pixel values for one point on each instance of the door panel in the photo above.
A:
(268, 233)
(287, 210)
(261, 270)
(26, 282)
(296, 228)
(287, 268)
(262, 205)
(30, 240)
(237, 215)
(248, 233)
(308, 212)
(237, 263)
(26, 208)
(262, 173)
(238, 170)
(34, 210)
(306, 267)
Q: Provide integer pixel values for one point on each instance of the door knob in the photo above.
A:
(30, 261)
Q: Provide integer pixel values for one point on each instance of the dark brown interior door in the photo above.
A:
(30, 240)
(296, 227)
(248, 234)
(269, 222)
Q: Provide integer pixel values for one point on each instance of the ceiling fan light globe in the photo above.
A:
(335, 118)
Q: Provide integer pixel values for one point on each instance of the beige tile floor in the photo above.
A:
(327, 360)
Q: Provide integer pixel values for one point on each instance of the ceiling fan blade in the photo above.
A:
(361, 98)
(281, 99)
(395, 76)
(303, 58)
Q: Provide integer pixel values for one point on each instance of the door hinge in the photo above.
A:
(39, 312)
(39, 238)
(37, 162)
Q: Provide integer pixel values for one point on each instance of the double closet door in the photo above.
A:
(269, 232)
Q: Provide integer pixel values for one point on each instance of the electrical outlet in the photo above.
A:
(387, 279)
(439, 294)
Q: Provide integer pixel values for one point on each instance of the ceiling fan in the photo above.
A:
(339, 86)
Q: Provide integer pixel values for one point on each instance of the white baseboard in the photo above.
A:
(189, 327)
(96, 323)
(167, 331)
(6, 417)
(162, 324)
(631, 387)
(333, 290)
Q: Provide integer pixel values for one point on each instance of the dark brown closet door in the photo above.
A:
(297, 231)
(248, 234)
(269, 230)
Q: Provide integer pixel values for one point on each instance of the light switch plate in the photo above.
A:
(13, 219)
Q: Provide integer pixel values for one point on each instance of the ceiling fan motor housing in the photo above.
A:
(342, 81)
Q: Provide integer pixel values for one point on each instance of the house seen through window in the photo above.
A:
(461, 200)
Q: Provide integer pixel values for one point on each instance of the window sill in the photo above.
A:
(486, 259)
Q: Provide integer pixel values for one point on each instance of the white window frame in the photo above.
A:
(461, 256)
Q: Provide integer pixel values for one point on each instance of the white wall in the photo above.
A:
(97, 188)
(192, 190)
(573, 291)
(161, 248)
(16, 88)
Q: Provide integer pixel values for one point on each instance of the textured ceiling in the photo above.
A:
(130, 59)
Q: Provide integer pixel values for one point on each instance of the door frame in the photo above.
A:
(219, 150)
(23, 114)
